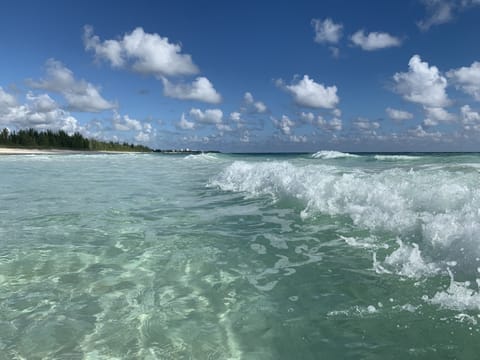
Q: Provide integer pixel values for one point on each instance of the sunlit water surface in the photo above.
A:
(323, 256)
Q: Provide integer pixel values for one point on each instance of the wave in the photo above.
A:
(433, 214)
(202, 157)
(396, 157)
(330, 154)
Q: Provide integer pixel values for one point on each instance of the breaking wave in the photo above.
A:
(202, 157)
(329, 154)
(396, 157)
(431, 214)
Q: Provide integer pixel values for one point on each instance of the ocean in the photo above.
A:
(216, 256)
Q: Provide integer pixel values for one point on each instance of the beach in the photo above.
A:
(22, 151)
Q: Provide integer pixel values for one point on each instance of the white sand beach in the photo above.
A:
(20, 151)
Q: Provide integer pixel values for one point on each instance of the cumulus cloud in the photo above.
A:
(210, 116)
(285, 125)
(467, 79)
(42, 102)
(298, 138)
(146, 135)
(337, 112)
(143, 52)
(422, 84)
(125, 123)
(326, 31)
(307, 92)
(420, 132)
(434, 115)
(470, 118)
(398, 115)
(80, 95)
(366, 125)
(374, 40)
(6, 100)
(184, 124)
(334, 124)
(201, 89)
(39, 112)
(253, 106)
(236, 116)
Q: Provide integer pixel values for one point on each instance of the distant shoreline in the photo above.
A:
(24, 151)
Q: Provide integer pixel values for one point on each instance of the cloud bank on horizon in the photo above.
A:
(361, 86)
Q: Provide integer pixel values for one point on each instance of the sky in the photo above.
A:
(246, 76)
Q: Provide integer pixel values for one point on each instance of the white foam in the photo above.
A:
(459, 296)
(396, 157)
(407, 261)
(330, 154)
(202, 157)
(435, 210)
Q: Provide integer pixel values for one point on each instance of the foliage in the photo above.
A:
(31, 138)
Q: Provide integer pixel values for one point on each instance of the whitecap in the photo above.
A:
(331, 154)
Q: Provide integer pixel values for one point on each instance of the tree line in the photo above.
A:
(49, 139)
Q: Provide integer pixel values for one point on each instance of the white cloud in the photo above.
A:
(210, 116)
(443, 11)
(307, 92)
(143, 137)
(422, 84)
(298, 138)
(147, 134)
(185, 124)
(434, 115)
(326, 31)
(469, 117)
(374, 40)
(42, 102)
(334, 124)
(125, 123)
(39, 112)
(224, 127)
(398, 115)
(200, 90)
(420, 132)
(467, 79)
(337, 112)
(252, 105)
(285, 125)
(6, 100)
(80, 95)
(366, 125)
(439, 12)
(307, 117)
(143, 52)
(245, 137)
(236, 116)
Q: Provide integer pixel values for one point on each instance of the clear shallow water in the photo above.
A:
(240, 257)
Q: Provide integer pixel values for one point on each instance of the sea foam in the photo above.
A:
(330, 154)
(436, 210)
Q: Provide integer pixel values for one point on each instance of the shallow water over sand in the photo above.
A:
(242, 257)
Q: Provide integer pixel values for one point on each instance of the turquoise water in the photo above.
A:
(323, 256)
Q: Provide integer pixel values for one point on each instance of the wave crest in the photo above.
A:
(330, 154)
(437, 209)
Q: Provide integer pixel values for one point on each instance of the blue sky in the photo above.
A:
(246, 76)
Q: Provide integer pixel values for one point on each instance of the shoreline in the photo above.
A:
(23, 151)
